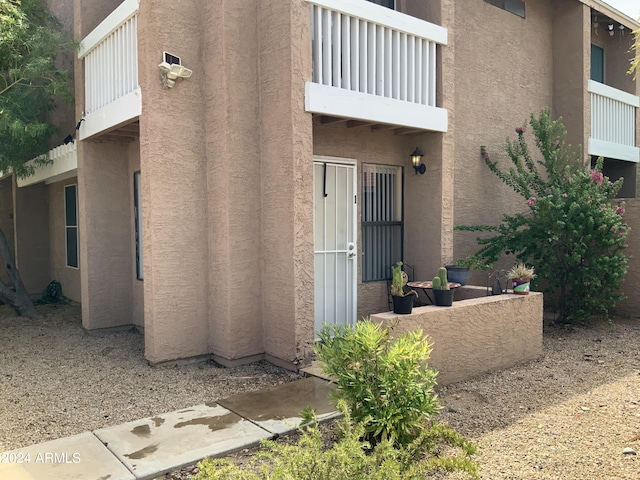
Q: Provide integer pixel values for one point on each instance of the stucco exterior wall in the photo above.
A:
(631, 306)
(104, 217)
(287, 186)
(173, 165)
(495, 91)
(32, 236)
(477, 335)
(571, 69)
(137, 286)
(68, 277)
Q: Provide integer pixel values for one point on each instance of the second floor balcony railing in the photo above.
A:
(110, 55)
(613, 123)
(373, 52)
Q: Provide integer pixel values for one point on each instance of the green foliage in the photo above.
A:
(30, 42)
(444, 281)
(572, 232)
(385, 381)
(635, 63)
(348, 458)
(397, 280)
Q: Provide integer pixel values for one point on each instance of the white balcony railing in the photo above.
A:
(63, 164)
(110, 54)
(613, 123)
(373, 63)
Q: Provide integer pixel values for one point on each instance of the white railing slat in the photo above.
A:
(368, 49)
(613, 115)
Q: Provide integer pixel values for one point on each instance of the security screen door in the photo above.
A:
(334, 201)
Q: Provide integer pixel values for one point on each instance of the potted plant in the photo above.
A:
(442, 292)
(521, 276)
(459, 273)
(401, 295)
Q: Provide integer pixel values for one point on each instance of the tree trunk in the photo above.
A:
(18, 298)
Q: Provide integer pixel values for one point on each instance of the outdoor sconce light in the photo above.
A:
(416, 161)
(610, 27)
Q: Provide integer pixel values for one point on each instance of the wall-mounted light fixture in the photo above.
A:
(610, 28)
(621, 27)
(416, 161)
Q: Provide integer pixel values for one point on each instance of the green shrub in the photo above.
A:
(348, 458)
(386, 382)
(572, 233)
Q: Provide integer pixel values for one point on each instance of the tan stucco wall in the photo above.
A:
(68, 277)
(617, 57)
(105, 209)
(571, 69)
(287, 173)
(477, 335)
(631, 306)
(173, 165)
(32, 236)
(137, 286)
(227, 221)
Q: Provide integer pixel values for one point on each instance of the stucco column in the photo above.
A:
(571, 70)
(174, 184)
(32, 254)
(231, 85)
(287, 178)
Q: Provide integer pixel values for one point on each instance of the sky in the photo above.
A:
(629, 7)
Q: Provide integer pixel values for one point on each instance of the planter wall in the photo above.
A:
(477, 335)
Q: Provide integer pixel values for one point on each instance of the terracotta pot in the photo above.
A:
(521, 286)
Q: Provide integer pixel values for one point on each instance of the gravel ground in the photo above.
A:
(568, 416)
(56, 379)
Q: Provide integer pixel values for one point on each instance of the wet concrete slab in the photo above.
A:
(79, 457)
(278, 410)
(315, 370)
(153, 446)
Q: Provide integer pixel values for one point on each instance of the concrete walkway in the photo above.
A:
(147, 448)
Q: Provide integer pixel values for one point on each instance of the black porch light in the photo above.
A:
(416, 161)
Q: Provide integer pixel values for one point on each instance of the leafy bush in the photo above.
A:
(573, 234)
(386, 382)
(349, 458)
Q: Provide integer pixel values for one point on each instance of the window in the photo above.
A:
(597, 63)
(385, 3)
(382, 220)
(514, 6)
(71, 224)
(137, 214)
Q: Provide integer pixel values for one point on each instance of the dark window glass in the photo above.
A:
(597, 63)
(71, 225)
(382, 220)
(514, 6)
(385, 3)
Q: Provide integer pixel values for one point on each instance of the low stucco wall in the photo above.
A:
(476, 335)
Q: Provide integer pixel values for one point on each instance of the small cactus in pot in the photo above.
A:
(442, 292)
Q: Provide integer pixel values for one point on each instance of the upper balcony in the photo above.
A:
(375, 65)
(613, 123)
(110, 57)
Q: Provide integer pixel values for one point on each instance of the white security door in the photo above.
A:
(334, 201)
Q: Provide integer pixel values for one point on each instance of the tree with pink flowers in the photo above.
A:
(573, 231)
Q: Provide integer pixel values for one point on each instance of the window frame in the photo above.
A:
(365, 225)
(602, 50)
(508, 6)
(138, 228)
(68, 227)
